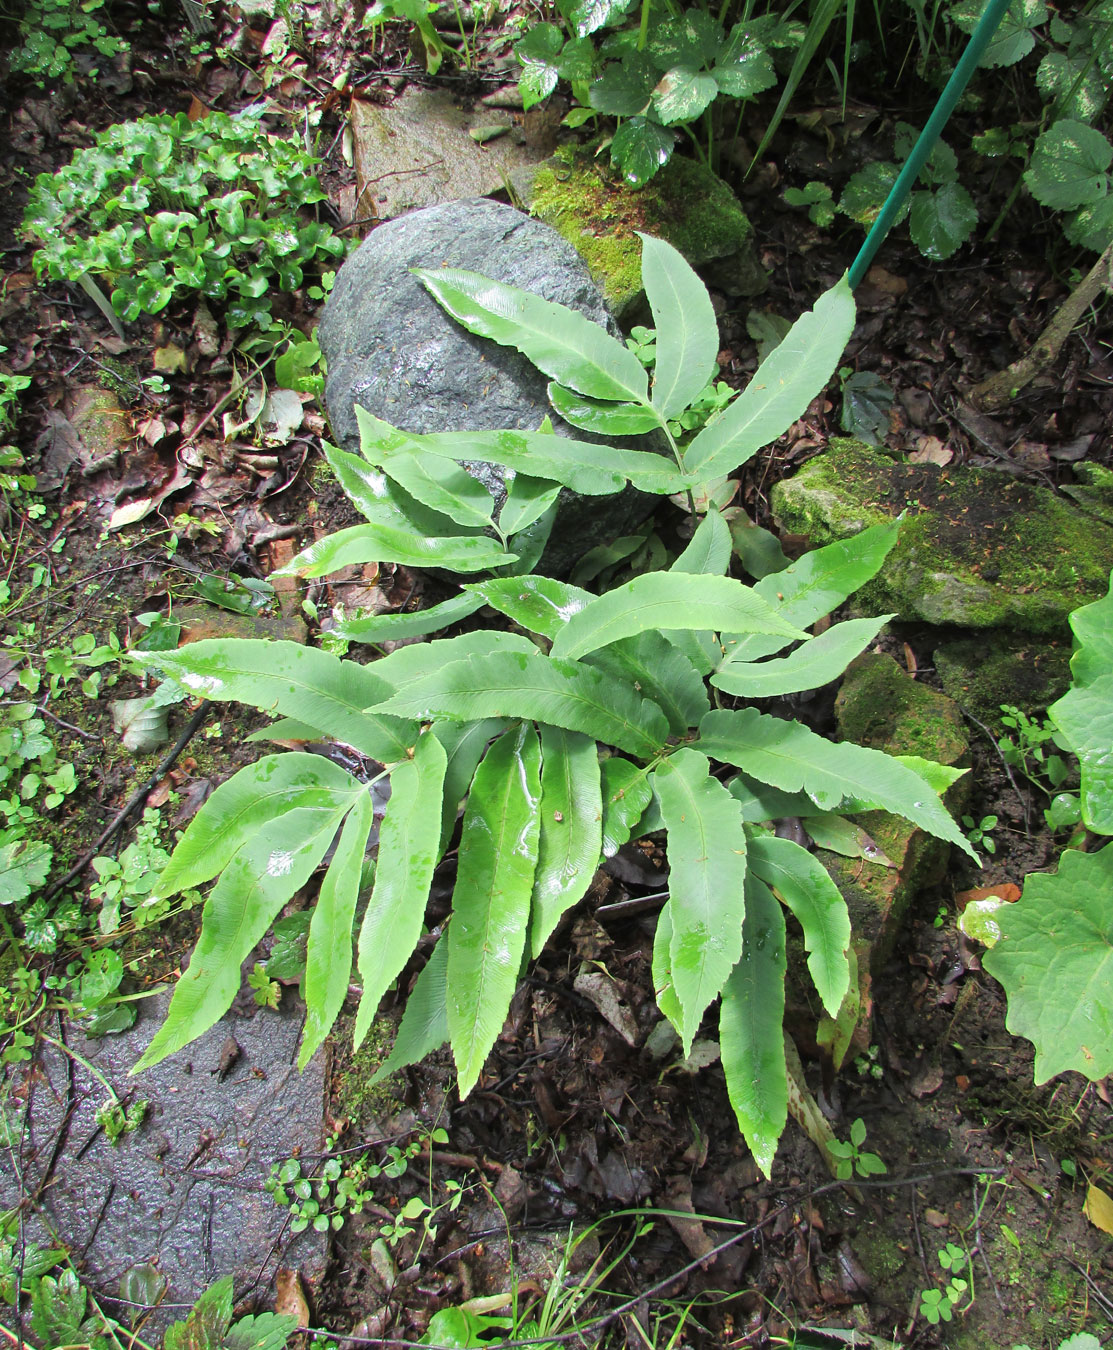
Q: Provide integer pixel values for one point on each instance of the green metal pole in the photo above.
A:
(979, 40)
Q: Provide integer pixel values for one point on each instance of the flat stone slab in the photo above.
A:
(419, 151)
(185, 1191)
(978, 549)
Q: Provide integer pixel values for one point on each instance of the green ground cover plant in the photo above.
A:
(1054, 954)
(164, 208)
(54, 34)
(589, 723)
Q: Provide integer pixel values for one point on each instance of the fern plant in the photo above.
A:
(588, 724)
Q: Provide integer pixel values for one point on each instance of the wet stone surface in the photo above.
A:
(185, 1191)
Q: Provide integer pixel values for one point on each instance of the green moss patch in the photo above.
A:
(685, 204)
(978, 549)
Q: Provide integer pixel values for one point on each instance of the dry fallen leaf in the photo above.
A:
(930, 450)
(1099, 1208)
(289, 1297)
(1005, 890)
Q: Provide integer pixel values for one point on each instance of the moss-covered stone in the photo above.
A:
(978, 549)
(882, 707)
(685, 204)
(981, 675)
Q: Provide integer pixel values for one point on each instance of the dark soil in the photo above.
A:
(571, 1124)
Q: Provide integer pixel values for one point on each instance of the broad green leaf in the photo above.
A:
(406, 664)
(376, 628)
(805, 886)
(810, 666)
(707, 872)
(1055, 959)
(328, 956)
(571, 828)
(751, 1027)
(539, 53)
(780, 391)
(424, 1025)
(663, 989)
(656, 669)
(681, 95)
(816, 584)
(669, 600)
(294, 681)
(541, 604)
(510, 684)
(408, 853)
(708, 552)
(625, 86)
(640, 148)
(443, 486)
(384, 543)
(789, 756)
(1068, 166)
(942, 221)
(249, 799)
(587, 467)
(287, 729)
(626, 794)
(562, 343)
(491, 899)
(261, 877)
(687, 330)
(262, 1331)
(600, 416)
(527, 500)
(1084, 715)
(464, 745)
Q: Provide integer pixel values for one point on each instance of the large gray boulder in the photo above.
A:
(393, 350)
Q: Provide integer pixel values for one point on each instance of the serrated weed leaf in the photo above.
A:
(571, 828)
(260, 878)
(780, 391)
(491, 898)
(404, 665)
(591, 468)
(238, 808)
(328, 956)
(563, 693)
(444, 487)
(601, 417)
(751, 1027)
(815, 585)
(706, 847)
(424, 1024)
(378, 628)
(543, 605)
(626, 795)
(790, 757)
(805, 886)
(563, 344)
(663, 989)
(465, 744)
(687, 330)
(812, 665)
(653, 666)
(669, 600)
(294, 681)
(408, 852)
(709, 549)
(361, 544)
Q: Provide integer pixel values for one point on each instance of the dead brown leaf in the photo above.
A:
(931, 450)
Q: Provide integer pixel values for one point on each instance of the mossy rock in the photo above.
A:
(978, 549)
(685, 204)
(982, 673)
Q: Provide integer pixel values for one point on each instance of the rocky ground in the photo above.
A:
(583, 1120)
